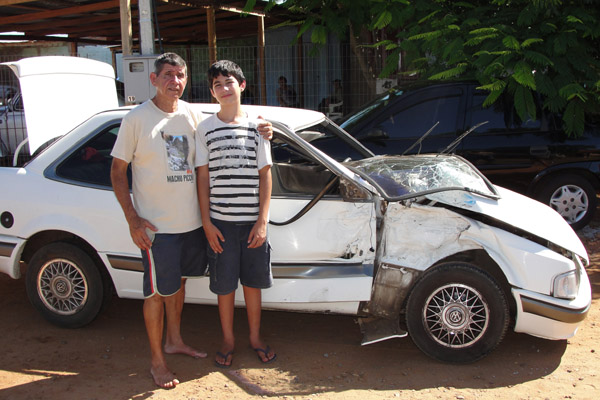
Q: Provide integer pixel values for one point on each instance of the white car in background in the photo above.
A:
(12, 124)
(422, 244)
(32, 110)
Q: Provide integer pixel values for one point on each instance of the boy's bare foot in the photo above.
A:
(185, 350)
(163, 377)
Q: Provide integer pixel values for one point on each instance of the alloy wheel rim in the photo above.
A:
(62, 287)
(456, 315)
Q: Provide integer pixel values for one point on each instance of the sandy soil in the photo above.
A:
(319, 358)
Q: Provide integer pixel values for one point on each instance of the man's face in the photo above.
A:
(170, 82)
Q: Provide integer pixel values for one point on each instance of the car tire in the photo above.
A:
(64, 284)
(457, 313)
(572, 196)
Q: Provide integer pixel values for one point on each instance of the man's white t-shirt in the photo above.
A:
(161, 149)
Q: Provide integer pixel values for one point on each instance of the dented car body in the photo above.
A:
(423, 244)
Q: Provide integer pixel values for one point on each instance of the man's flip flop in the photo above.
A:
(224, 356)
(266, 353)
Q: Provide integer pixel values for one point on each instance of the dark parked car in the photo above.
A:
(532, 157)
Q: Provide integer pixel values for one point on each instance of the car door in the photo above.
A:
(395, 128)
(323, 244)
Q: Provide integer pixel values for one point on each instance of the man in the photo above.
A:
(157, 139)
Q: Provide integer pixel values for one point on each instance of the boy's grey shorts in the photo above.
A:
(252, 267)
(173, 256)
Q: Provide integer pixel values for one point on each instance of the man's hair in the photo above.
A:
(225, 68)
(171, 59)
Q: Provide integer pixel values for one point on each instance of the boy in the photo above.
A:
(234, 188)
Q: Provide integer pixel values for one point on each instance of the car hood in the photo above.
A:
(60, 92)
(453, 181)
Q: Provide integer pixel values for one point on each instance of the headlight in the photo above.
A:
(566, 285)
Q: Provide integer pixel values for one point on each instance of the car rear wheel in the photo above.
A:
(457, 313)
(65, 285)
(572, 196)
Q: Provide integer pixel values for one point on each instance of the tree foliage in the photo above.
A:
(512, 47)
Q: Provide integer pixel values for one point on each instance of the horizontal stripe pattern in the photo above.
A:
(233, 171)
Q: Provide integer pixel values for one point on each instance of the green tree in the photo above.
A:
(512, 47)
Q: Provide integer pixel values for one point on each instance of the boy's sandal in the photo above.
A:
(266, 354)
(224, 357)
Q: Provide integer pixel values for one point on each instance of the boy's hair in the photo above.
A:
(171, 59)
(225, 68)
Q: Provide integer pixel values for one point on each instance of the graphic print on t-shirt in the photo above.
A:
(177, 152)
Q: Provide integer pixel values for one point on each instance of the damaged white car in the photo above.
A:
(424, 244)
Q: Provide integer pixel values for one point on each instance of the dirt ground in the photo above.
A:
(319, 357)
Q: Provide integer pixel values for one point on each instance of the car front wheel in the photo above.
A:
(65, 285)
(457, 313)
(572, 196)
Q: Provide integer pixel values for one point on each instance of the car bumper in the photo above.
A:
(551, 318)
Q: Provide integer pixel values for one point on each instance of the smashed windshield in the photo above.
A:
(400, 177)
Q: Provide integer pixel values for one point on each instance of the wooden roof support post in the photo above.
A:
(212, 34)
(261, 60)
(300, 66)
(126, 30)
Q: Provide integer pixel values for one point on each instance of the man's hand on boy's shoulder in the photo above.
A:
(265, 129)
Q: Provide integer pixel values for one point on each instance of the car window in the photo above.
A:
(17, 103)
(295, 172)
(501, 116)
(91, 161)
(416, 119)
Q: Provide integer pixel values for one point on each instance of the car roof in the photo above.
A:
(295, 118)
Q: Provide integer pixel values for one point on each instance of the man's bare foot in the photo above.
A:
(184, 349)
(163, 377)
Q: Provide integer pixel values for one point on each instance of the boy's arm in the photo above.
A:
(258, 234)
(213, 234)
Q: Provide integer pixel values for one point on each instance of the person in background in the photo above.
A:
(286, 95)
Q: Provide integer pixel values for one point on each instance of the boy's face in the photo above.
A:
(227, 89)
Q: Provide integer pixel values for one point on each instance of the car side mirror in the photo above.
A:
(377, 134)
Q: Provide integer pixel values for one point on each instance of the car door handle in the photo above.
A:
(539, 151)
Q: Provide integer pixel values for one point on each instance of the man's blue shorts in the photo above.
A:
(252, 267)
(173, 256)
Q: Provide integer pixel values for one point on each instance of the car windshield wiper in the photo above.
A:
(452, 146)
(418, 142)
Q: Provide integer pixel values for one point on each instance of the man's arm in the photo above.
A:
(137, 225)
(258, 234)
(213, 234)
(265, 129)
